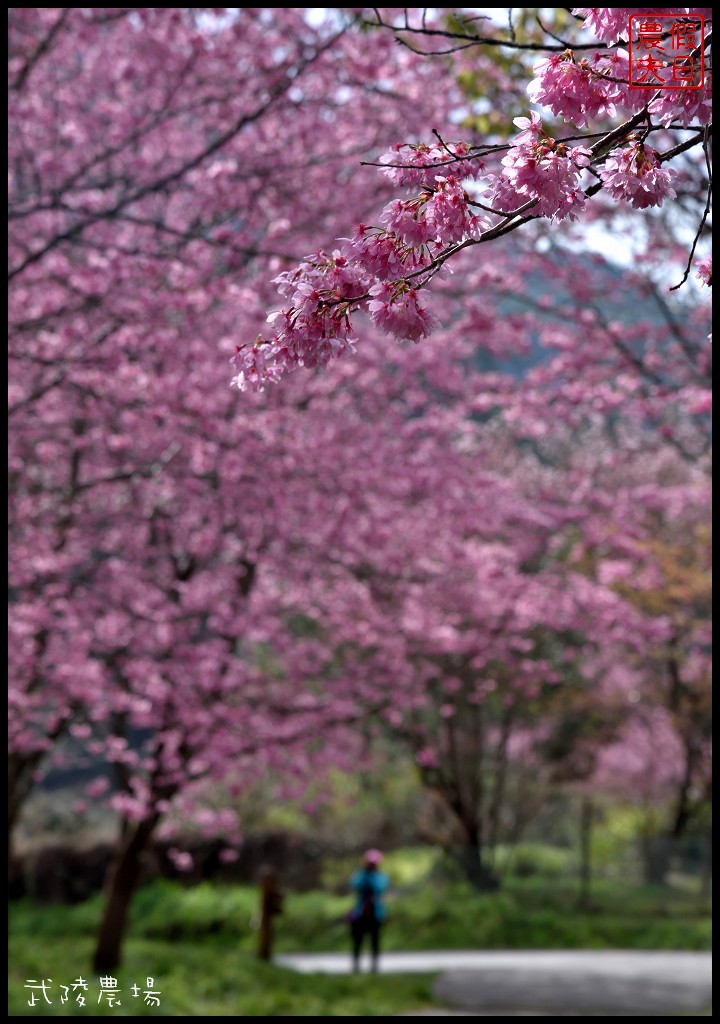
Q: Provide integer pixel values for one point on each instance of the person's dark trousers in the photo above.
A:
(360, 929)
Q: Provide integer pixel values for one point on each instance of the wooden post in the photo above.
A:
(271, 901)
(586, 824)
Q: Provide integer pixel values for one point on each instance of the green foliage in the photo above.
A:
(525, 860)
(165, 910)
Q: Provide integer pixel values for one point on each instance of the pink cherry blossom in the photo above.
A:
(543, 173)
(684, 106)
(608, 23)
(571, 89)
(408, 219)
(418, 164)
(612, 23)
(382, 254)
(397, 310)
(636, 175)
(704, 271)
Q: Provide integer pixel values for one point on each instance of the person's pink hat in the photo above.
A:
(372, 857)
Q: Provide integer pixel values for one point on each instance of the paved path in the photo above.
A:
(572, 983)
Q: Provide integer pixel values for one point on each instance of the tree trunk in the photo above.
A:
(683, 805)
(657, 851)
(21, 769)
(122, 879)
(477, 872)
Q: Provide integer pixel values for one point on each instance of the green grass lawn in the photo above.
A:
(198, 943)
(203, 977)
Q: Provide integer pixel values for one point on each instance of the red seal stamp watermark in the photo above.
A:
(667, 51)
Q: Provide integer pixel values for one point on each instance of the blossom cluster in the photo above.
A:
(705, 271)
(636, 175)
(380, 267)
(586, 89)
(540, 171)
(458, 195)
(611, 23)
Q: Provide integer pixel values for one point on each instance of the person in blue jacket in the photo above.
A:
(369, 911)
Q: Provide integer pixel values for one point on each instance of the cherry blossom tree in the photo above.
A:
(499, 652)
(672, 695)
